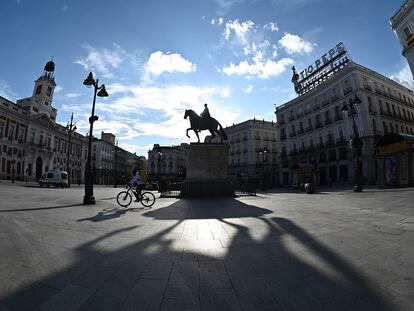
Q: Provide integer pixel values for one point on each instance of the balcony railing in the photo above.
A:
(325, 102)
(328, 121)
(367, 87)
(347, 90)
(292, 134)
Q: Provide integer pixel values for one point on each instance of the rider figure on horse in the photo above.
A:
(205, 115)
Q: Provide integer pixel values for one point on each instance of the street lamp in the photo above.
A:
(70, 127)
(356, 142)
(160, 162)
(90, 81)
(263, 152)
(116, 150)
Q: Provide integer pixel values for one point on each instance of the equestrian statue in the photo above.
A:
(203, 122)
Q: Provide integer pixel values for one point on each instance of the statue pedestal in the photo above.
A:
(207, 171)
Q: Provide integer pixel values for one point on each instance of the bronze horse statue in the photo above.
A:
(198, 124)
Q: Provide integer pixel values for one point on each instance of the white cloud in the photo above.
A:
(248, 89)
(160, 62)
(262, 69)
(271, 26)
(73, 95)
(239, 30)
(64, 8)
(295, 44)
(103, 61)
(218, 21)
(404, 77)
(6, 91)
(159, 111)
(58, 88)
(226, 5)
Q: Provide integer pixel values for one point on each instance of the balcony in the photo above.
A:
(293, 134)
(367, 87)
(328, 121)
(301, 131)
(330, 142)
(377, 133)
(325, 102)
(341, 141)
(347, 90)
(309, 129)
(338, 117)
(291, 118)
(318, 125)
(334, 97)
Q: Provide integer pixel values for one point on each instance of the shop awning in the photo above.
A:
(394, 142)
(303, 168)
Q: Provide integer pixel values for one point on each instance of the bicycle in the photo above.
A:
(124, 198)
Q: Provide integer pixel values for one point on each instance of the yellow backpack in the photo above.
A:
(144, 176)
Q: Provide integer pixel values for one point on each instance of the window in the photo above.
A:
(1, 128)
(407, 32)
(38, 89)
(11, 131)
(49, 91)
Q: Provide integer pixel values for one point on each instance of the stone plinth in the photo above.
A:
(207, 171)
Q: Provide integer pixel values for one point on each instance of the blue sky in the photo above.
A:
(159, 57)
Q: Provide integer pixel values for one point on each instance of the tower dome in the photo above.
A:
(50, 66)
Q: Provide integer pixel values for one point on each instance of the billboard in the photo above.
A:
(320, 70)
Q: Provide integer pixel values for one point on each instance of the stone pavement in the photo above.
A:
(278, 251)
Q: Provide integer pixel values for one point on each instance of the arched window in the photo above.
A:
(384, 126)
(340, 133)
(406, 130)
(374, 126)
(391, 128)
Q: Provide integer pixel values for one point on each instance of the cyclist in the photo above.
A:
(138, 182)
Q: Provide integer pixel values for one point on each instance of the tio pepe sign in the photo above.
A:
(321, 62)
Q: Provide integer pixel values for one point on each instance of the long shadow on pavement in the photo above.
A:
(201, 255)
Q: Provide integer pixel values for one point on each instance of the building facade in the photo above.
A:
(313, 128)
(32, 143)
(168, 161)
(31, 140)
(112, 164)
(254, 150)
(402, 23)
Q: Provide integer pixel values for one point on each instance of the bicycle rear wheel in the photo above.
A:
(124, 198)
(147, 199)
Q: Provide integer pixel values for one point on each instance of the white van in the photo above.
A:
(54, 178)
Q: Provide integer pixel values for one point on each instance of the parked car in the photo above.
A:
(54, 178)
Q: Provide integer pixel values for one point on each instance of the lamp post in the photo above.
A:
(90, 81)
(160, 162)
(356, 142)
(263, 152)
(116, 150)
(70, 127)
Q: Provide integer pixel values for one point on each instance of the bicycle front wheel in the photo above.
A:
(147, 199)
(124, 198)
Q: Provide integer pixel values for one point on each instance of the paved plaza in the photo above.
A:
(281, 250)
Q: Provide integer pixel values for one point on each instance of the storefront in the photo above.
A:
(395, 160)
(303, 173)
